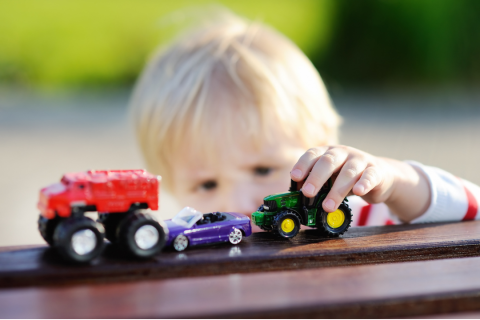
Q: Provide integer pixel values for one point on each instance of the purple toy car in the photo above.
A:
(190, 228)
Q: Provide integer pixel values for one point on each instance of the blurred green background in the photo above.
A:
(56, 44)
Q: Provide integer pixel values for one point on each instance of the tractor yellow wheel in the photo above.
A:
(334, 224)
(287, 225)
(335, 219)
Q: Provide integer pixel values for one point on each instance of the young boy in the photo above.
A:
(229, 112)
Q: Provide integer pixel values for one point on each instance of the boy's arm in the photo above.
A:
(413, 192)
(452, 199)
(402, 187)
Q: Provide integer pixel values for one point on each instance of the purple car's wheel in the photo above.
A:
(235, 236)
(180, 243)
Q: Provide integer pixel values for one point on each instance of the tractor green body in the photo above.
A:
(292, 201)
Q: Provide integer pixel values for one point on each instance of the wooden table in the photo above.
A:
(391, 271)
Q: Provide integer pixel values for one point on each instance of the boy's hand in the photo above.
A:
(404, 189)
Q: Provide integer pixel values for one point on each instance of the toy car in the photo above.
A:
(284, 212)
(190, 228)
(118, 196)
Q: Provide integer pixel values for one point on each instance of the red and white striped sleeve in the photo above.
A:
(365, 214)
(452, 199)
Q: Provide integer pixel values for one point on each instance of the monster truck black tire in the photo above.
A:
(141, 235)
(286, 224)
(79, 239)
(335, 223)
(111, 222)
(47, 228)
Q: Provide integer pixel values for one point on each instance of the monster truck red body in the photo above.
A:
(102, 191)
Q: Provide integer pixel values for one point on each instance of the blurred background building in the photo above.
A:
(404, 74)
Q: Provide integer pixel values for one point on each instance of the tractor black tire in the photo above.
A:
(111, 222)
(79, 239)
(47, 228)
(146, 243)
(266, 228)
(286, 224)
(326, 229)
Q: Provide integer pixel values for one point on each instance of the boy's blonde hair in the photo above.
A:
(222, 79)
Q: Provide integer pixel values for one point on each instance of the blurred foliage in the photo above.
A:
(78, 43)
(58, 43)
(404, 41)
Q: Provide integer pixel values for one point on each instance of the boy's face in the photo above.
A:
(239, 179)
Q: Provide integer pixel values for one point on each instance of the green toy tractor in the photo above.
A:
(283, 213)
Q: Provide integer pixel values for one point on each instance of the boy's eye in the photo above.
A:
(262, 171)
(208, 185)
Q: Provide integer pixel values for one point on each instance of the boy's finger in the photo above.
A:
(348, 176)
(370, 179)
(326, 165)
(306, 162)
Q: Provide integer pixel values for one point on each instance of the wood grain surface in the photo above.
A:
(40, 266)
(405, 289)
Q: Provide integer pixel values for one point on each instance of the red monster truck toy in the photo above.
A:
(117, 196)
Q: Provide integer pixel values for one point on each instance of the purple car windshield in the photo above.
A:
(187, 217)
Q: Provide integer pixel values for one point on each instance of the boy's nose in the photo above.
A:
(245, 202)
(245, 208)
